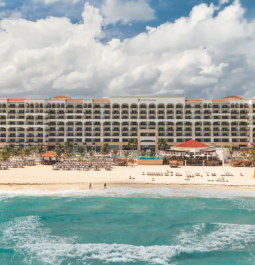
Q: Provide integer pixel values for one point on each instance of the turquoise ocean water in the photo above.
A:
(127, 226)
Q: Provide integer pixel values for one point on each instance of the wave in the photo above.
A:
(217, 236)
(28, 236)
(131, 192)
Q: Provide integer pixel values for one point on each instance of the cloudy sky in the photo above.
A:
(102, 48)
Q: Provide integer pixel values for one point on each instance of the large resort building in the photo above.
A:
(92, 122)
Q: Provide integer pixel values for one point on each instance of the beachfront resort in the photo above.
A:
(190, 163)
(134, 139)
(93, 122)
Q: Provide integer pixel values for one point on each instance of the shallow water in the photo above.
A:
(126, 226)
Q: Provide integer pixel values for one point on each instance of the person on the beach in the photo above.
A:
(90, 186)
(105, 185)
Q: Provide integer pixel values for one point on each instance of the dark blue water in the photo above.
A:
(138, 228)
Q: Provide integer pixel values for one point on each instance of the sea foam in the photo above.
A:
(29, 237)
(131, 192)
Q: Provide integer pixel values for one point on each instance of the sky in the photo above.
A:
(103, 48)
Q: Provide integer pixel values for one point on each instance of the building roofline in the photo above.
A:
(145, 97)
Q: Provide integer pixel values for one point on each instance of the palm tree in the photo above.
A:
(9, 148)
(84, 147)
(81, 151)
(4, 155)
(252, 154)
(32, 149)
(231, 152)
(39, 151)
(162, 143)
(67, 155)
(132, 142)
(69, 147)
(244, 154)
(126, 154)
(91, 153)
(16, 152)
(26, 152)
(105, 148)
(115, 151)
(59, 150)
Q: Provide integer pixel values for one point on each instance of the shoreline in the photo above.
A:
(99, 186)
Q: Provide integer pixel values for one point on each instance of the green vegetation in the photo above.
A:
(162, 143)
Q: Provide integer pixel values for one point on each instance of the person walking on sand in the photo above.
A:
(90, 186)
(105, 185)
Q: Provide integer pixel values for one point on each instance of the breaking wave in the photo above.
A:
(28, 237)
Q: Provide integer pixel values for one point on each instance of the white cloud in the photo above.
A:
(223, 2)
(127, 11)
(2, 3)
(202, 55)
(49, 2)
(10, 14)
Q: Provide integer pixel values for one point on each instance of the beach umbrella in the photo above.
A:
(187, 155)
(202, 155)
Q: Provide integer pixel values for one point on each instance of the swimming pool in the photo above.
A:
(148, 157)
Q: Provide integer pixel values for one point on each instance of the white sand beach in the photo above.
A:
(43, 177)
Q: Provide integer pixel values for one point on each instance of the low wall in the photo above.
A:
(148, 162)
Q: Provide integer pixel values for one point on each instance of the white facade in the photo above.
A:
(216, 122)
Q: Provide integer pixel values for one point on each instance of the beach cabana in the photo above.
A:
(49, 155)
(193, 152)
(191, 146)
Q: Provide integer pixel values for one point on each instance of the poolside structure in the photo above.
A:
(194, 153)
(191, 146)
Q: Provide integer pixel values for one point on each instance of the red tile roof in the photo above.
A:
(220, 100)
(60, 97)
(234, 97)
(49, 154)
(16, 99)
(192, 144)
(194, 100)
(101, 100)
(74, 100)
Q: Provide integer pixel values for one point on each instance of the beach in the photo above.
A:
(52, 217)
(43, 177)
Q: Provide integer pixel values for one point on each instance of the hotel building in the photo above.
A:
(218, 122)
